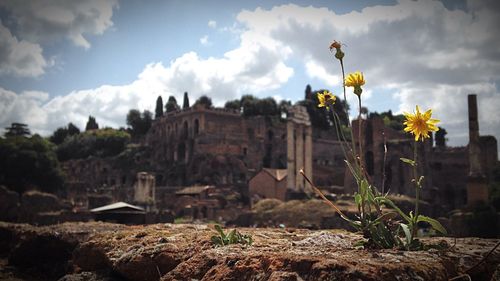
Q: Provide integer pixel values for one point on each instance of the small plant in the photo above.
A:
(233, 237)
(379, 227)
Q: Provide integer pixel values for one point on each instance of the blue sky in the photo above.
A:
(64, 60)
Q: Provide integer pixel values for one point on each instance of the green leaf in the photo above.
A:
(353, 172)
(391, 204)
(363, 187)
(406, 231)
(216, 240)
(385, 217)
(434, 223)
(232, 237)
(357, 199)
(218, 228)
(408, 161)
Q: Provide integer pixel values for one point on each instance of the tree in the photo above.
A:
(204, 101)
(29, 163)
(91, 124)
(233, 104)
(72, 129)
(159, 107)
(62, 133)
(185, 103)
(59, 135)
(139, 123)
(249, 105)
(267, 107)
(308, 92)
(17, 130)
(147, 121)
(441, 137)
(283, 107)
(171, 105)
(101, 143)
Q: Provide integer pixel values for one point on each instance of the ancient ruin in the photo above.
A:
(246, 159)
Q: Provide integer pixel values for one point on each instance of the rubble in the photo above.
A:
(103, 251)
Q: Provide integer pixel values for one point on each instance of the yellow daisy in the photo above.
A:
(420, 124)
(355, 79)
(325, 98)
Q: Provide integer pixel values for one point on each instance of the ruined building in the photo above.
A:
(454, 176)
(200, 146)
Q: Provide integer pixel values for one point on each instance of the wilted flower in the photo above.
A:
(355, 80)
(335, 45)
(338, 53)
(326, 98)
(420, 124)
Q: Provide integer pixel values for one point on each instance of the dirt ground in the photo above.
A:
(102, 251)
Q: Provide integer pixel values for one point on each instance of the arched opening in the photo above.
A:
(196, 126)
(204, 212)
(270, 135)
(181, 151)
(185, 129)
(369, 163)
(369, 133)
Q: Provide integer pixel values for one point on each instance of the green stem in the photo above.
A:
(359, 138)
(417, 189)
(343, 83)
(353, 149)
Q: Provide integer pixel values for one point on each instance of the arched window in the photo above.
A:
(270, 135)
(196, 126)
(185, 129)
(369, 163)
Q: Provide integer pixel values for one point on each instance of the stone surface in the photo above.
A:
(9, 204)
(184, 252)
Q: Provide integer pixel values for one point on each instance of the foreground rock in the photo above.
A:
(99, 251)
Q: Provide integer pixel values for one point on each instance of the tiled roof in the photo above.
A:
(192, 190)
(117, 205)
(277, 174)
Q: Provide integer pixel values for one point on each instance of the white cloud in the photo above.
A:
(212, 24)
(41, 22)
(315, 70)
(426, 53)
(449, 104)
(25, 108)
(20, 57)
(47, 20)
(238, 72)
(204, 41)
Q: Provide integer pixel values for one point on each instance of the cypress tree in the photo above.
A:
(91, 124)
(159, 107)
(185, 104)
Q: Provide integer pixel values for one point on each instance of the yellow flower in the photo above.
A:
(420, 124)
(325, 98)
(355, 80)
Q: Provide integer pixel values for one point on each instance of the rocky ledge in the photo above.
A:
(102, 251)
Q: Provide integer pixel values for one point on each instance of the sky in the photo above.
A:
(61, 61)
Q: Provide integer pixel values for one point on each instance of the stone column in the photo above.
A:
(308, 153)
(477, 185)
(299, 161)
(290, 155)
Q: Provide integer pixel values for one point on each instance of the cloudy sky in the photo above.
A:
(61, 61)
